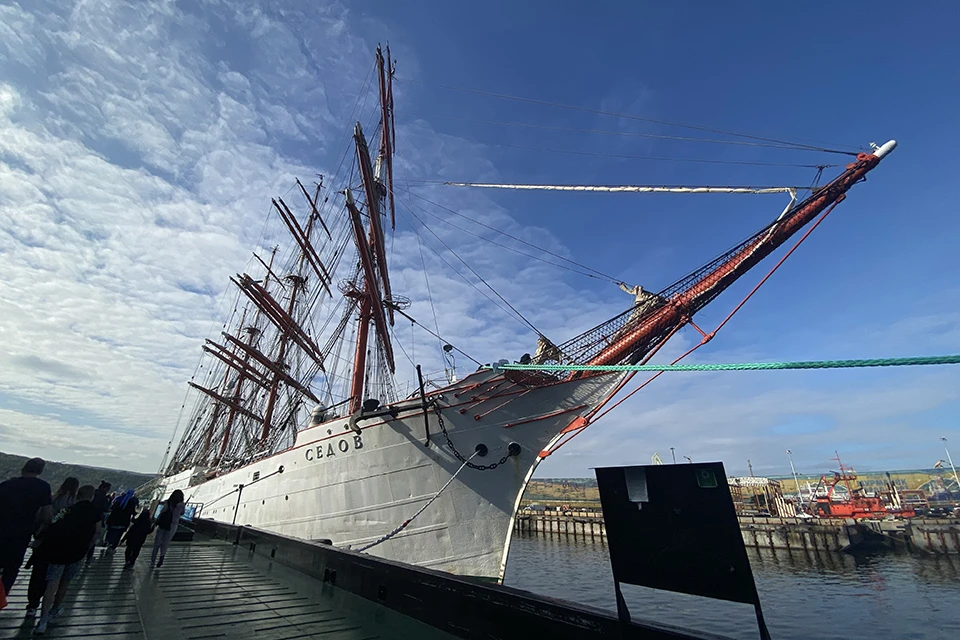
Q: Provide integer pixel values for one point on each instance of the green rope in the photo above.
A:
(744, 366)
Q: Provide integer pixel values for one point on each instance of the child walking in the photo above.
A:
(136, 536)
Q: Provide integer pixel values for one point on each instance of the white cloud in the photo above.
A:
(74, 442)
(126, 185)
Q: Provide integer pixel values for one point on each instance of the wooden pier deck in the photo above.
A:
(241, 582)
(207, 590)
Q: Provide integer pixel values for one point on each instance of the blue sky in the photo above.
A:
(140, 147)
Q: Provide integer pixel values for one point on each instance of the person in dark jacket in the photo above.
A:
(136, 536)
(64, 545)
(101, 501)
(64, 498)
(26, 505)
(121, 513)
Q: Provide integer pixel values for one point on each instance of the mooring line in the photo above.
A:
(743, 366)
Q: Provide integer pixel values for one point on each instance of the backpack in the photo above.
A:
(166, 519)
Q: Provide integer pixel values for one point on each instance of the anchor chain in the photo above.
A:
(478, 467)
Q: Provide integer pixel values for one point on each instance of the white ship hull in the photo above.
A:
(354, 488)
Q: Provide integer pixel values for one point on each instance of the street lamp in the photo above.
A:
(950, 460)
(689, 459)
(674, 454)
(795, 478)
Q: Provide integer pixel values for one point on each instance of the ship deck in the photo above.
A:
(208, 589)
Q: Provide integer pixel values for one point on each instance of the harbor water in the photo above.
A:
(807, 595)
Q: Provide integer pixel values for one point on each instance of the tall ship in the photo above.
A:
(300, 426)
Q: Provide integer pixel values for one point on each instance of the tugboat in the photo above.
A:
(857, 504)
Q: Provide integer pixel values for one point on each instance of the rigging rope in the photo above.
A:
(437, 336)
(433, 308)
(519, 316)
(451, 267)
(404, 524)
(626, 188)
(744, 366)
(638, 134)
(599, 274)
(547, 103)
(513, 249)
(657, 158)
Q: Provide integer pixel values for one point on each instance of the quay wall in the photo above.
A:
(795, 534)
(579, 525)
(926, 535)
(936, 535)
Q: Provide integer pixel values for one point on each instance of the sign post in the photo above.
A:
(674, 527)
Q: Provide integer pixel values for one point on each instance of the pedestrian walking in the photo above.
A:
(64, 544)
(121, 513)
(64, 498)
(24, 506)
(167, 523)
(136, 536)
(101, 501)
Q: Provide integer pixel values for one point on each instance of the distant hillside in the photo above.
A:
(577, 491)
(57, 472)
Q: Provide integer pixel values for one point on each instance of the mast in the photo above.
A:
(217, 410)
(297, 282)
(391, 69)
(375, 295)
(233, 363)
(371, 301)
(386, 117)
(846, 477)
(374, 188)
(360, 355)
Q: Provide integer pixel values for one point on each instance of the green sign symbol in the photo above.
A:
(706, 479)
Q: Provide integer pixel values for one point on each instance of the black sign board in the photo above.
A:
(674, 527)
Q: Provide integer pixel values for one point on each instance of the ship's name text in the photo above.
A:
(331, 449)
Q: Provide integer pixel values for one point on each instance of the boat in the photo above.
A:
(854, 502)
(300, 428)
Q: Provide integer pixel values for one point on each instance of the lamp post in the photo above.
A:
(674, 454)
(950, 460)
(689, 459)
(795, 478)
